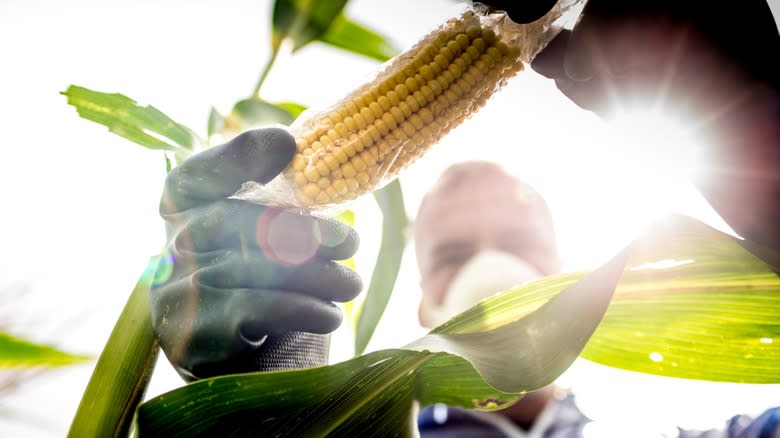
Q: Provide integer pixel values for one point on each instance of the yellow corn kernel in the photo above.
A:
(349, 170)
(299, 179)
(358, 163)
(339, 186)
(352, 185)
(390, 120)
(381, 126)
(331, 192)
(341, 156)
(311, 190)
(392, 96)
(349, 122)
(417, 121)
(384, 103)
(311, 174)
(341, 130)
(407, 107)
(363, 179)
(322, 168)
(331, 162)
(373, 132)
(322, 198)
(368, 159)
(401, 91)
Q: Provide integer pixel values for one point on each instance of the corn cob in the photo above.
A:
(419, 97)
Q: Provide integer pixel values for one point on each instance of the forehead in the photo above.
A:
(479, 209)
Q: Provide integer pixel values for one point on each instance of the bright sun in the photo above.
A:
(660, 139)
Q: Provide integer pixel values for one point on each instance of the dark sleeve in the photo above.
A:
(441, 421)
(741, 174)
(767, 425)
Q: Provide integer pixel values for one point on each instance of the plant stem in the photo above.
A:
(264, 74)
(123, 370)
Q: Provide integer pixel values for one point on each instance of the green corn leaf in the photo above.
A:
(144, 125)
(215, 123)
(122, 373)
(17, 352)
(348, 35)
(710, 311)
(520, 340)
(388, 262)
(168, 163)
(302, 21)
(348, 217)
(295, 109)
(350, 312)
(254, 113)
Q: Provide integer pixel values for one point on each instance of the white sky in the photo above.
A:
(81, 203)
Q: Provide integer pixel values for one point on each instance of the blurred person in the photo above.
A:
(480, 231)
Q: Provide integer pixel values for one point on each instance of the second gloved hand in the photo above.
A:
(250, 287)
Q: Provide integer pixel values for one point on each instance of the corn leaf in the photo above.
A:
(348, 35)
(388, 262)
(122, 373)
(710, 310)
(254, 113)
(302, 21)
(348, 217)
(144, 125)
(17, 352)
(215, 124)
(349, 308)
(718, 295)
(295, 109)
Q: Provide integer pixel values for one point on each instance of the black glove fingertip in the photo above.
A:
(549, 62)
(522, 11)
(267, 150)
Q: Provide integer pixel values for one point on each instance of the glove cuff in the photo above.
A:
(292, 350)
(286, 351)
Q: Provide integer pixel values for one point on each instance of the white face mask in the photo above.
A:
(482, 276)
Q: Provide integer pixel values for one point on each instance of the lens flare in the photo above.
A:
(161, 267)
(288, 239)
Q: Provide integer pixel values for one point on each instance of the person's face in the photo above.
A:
(493, 212)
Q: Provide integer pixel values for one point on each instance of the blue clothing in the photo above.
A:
(559, 419)
(562, 419)
(767, 425)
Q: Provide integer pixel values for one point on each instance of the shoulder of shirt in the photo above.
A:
(560, 417)
(766, 425)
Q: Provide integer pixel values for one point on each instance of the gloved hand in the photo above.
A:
(715, 62)
(252, 287)
(619, 46)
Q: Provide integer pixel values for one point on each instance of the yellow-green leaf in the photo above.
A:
(348, 35)
(122, 373)
(303, 21)
(18, 352)
(144, 125)
(388, 262)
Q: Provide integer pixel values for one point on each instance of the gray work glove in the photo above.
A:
(251, 286)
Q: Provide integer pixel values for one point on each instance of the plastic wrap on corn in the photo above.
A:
(415, 99)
